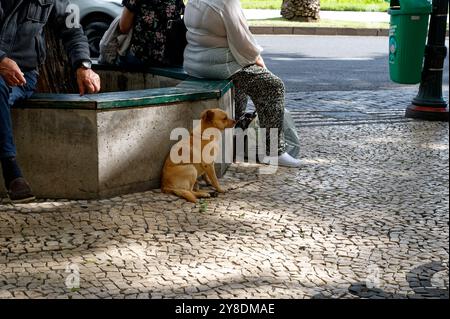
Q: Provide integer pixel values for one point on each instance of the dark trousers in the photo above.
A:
(9, 96)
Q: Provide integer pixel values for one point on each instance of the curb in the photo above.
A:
(318, 31)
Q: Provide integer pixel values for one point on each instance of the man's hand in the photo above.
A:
(88, 81)
(260, 62)
(11, 73)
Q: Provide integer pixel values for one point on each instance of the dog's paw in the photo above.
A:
(221, 190)
(202, 194)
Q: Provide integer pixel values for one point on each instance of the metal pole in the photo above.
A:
(429, 104)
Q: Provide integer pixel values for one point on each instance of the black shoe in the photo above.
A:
(20, 191)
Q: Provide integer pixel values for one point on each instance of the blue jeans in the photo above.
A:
(9, 96)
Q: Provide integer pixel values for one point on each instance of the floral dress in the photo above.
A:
(148, 43)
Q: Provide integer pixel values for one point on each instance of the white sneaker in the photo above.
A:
(283, 160)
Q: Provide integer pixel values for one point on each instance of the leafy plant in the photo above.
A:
(203, 206)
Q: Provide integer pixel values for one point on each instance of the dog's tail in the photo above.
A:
(188, 195)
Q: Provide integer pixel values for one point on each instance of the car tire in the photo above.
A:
(94, 29)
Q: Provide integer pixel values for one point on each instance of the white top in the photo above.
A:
(219, 40)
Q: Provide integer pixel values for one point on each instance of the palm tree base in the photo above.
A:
(301, 10)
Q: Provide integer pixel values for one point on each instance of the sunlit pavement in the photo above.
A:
(366, 216)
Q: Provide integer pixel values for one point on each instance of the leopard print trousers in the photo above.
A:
(267, 93)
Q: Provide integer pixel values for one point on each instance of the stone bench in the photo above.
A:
(115, 142)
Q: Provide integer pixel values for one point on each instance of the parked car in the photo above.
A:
(96, 17)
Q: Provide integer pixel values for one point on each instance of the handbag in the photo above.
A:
(114, 44)
(244, 121)
(176, 41)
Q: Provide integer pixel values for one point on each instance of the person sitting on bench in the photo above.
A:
(221, 46)
(149, 20)
(22, 51)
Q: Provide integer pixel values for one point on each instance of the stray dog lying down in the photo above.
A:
(181, 179)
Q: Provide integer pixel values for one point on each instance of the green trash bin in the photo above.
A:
(407, 38)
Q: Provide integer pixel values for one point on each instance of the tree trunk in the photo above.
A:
(301, 10)
(56, 75)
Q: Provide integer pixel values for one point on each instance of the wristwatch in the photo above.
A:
(86, 64)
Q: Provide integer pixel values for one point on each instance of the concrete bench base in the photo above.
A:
(108, 144)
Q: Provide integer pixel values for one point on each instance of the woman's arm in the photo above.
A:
(241, 42)
(126, 20)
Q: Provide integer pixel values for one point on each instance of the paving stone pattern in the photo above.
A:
(351, 107)
(366, 216)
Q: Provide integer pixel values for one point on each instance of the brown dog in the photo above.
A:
(181, 179)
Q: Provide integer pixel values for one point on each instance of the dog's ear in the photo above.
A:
(207, 116)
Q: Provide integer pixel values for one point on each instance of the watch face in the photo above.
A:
(86, 64)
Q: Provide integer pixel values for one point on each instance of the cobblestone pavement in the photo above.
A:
(365, 217)
(351, 107)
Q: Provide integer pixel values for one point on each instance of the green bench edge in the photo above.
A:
(190, 89)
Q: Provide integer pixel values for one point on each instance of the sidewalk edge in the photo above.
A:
(318, 31)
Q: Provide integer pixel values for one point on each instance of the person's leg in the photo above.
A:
(8, 97)
(7, 147)
(267, 93)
